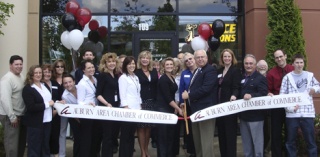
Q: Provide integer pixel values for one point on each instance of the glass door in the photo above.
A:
(160, 44)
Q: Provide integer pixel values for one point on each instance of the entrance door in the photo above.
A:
(160, 44)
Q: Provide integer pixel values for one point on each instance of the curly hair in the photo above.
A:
(103, 66)
(29, 77)
(163, 62)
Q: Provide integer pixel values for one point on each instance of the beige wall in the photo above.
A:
(14, 42)
(257, 29)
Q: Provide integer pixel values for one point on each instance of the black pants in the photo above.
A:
(278, 117)
(165, 140)
(107, 139)
(54, 137)
(127, 139)
(38, 140)
(88, 138)
(227, 133)
(75, 127)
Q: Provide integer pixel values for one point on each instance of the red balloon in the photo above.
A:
(93, 25)
(204, 30)
(103, 31)
(83, 16)
(72, 7)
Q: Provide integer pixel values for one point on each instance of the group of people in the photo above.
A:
(171, 85)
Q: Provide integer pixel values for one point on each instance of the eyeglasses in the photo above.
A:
(59, 66)
(189, 59)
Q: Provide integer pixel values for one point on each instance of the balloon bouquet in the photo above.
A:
(209, 37)
(74, 21)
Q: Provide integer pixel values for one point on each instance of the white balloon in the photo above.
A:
(197, 43)
(76, 39)
(65, 39)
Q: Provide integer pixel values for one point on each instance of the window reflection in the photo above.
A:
(143, 23)
(141, 6)
(121, 44)
(188, 28)
(208, 6)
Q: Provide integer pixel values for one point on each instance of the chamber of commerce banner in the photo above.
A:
(266, 102)
(116, 114)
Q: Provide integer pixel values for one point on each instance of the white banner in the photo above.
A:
(266, 102)
(116, 114)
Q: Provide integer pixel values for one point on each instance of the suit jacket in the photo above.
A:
(230, 85)
(35, 107)
(203, 89)
(257, 86)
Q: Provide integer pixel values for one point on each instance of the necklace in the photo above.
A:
(135, 81)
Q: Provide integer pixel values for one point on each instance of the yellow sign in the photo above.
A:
(229, 34)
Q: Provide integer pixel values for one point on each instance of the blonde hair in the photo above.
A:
(104, 59)
(234, 59)
(163, 63)
(145, 54)
(177, 67)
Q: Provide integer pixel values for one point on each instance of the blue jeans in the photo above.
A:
(307, 128)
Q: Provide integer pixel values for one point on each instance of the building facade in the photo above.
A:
(163, 27)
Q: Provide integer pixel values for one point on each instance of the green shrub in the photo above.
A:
(286, 31)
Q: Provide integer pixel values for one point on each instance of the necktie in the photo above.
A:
(194, 75)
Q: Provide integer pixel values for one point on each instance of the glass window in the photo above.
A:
(142, 6)
(188, 26)
(208, 6)
(54, 6)
(121, 44)
(143, 23)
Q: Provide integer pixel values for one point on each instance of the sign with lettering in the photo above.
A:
(266, 102)
(143, 26)
(116, 114)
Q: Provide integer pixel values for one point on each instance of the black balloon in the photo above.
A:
(94, 36)
(69, 21)
(218, 28)
(213, 43)
(78, 26)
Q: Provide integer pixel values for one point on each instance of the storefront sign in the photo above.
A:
(116, 114)
(266, 102)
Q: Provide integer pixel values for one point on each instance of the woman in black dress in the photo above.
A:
(148, 79)
(166, 103)
(108, 96)
(229, 77)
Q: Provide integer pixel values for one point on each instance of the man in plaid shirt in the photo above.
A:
(299, 81)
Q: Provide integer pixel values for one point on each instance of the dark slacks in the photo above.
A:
(165, 141)
(227, 133)
(54, 137)
(107, 140)
(277, 122)
(87, 135)
(127, 139)
(75, 127)
(38, 140)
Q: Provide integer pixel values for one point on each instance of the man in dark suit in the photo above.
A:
(251, 122)
(202, 94)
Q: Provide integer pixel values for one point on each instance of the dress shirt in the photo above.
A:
(129, 89)
(86, 91)
(46, 95)
(69, 97)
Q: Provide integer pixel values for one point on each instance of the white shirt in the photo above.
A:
(129, 90)
(86, 91)
(46, 96)
(69, 97)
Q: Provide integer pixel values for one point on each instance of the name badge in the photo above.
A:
(243, 80)
(115, 98)
(187, 76)
(219, 75)
(54, 87)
